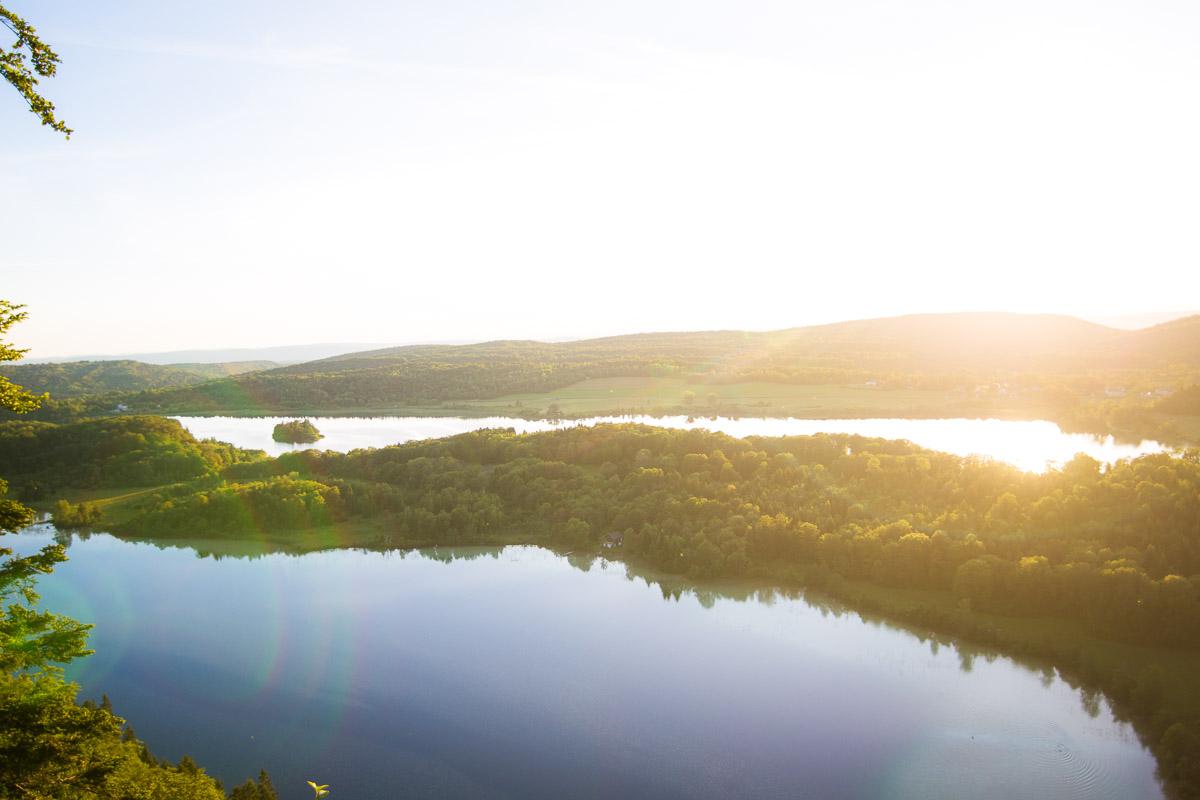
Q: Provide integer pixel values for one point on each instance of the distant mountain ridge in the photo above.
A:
(924, 341)
(854, 351)
(929, 334)
(282, 354)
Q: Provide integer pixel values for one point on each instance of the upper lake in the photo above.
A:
(520, 673)
(1030, 445)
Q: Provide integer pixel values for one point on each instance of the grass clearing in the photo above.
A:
(647, 395)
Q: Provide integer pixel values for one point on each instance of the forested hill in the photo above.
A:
(80, 378)
(924, 350)
(926, 342)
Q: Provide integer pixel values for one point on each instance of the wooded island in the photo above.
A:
(297, 431)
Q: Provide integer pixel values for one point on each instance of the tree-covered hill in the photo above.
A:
(80, 378)
(927, 342)
(947, 351)
(37, 457)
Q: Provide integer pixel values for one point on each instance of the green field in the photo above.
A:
(642, 395)
(679, 396)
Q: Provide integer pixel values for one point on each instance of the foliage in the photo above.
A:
(32, 642)
(75, 515)
(13, 397)
(80, 378)
(22, 69)
(295, 431)
(261, 789)
(53, 747)
(278, 503)
(117, 451)
(1185, 401)
(45, 739)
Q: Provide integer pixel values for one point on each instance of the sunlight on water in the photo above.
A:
(1030, 445)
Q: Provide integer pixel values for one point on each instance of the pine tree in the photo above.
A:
(266, 789)
(247, 791)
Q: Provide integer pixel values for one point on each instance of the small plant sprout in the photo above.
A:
(319, 791)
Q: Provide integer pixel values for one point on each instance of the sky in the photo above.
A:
(269, 172)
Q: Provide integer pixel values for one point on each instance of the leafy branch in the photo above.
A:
(24, 62)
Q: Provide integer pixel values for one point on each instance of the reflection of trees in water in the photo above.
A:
(673, 588)
(448, 555)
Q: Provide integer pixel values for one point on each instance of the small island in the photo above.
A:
(296, 431)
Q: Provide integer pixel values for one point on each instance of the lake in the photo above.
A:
(519, 673)
(1030, 445)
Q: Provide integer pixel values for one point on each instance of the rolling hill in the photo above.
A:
(965, 348)
(84, 378)
(282, 354)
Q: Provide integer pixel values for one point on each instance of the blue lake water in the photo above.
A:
(519, 673)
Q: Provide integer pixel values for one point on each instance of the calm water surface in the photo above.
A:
(518, 673)
(1030, 445)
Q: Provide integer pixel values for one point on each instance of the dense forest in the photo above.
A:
(39, 457)
(79, 378)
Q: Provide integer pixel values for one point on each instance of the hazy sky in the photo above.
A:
(257, 173)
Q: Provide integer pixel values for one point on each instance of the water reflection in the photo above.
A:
(515, 671)
(672, 588)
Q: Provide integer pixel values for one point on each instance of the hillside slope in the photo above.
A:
(924, 349)
(1175, 342)
(82, 378)
(926, 341)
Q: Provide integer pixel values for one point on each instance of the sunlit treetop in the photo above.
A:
(27, 59)
(12, 396)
